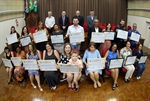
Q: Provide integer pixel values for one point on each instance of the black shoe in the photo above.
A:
(76, 89)
(63, 79)
(117, 85)
(114, 87)
(127, 80)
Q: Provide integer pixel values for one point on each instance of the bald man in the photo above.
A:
(80, 18)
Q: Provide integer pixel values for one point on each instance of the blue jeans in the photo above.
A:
(141, 68)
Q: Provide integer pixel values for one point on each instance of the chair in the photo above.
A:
(129, 28)
(85, 26)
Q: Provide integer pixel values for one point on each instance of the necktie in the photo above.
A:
(63, 20)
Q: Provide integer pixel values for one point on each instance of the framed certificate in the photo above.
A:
(122, 34)
(47, 65)
(143, 59)
(130, 60)
(16, 61)
(30, 64)
(66, 68)
(135, 37)
(116, 63)
(96, 63)
(109, 35)
(57, 39)
(40, 36)
(7, 62)
(76, 37)
(98, 37)
(25, 40)
(12, 38)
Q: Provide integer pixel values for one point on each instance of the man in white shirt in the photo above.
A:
(49, 22)
(75, 28)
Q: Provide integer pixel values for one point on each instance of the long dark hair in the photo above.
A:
(39, 24)
(14, 29)
(6, 48)
(110, 49)
(34, 48)
(22, 33)
(48, 43)
(110, 27)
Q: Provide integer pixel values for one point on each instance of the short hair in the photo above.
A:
(6, 48)
(91, 44)
(74, 52)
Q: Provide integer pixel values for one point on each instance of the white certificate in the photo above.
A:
(16, 61)
(30, 64)
(130, 60)
(40, 36)
(98, 37)
(96, 63)
(109, 35)
(47, 65)
(12, 38)
(115, 63)
(135, 37)
(143, 59)
(7, 62)
(66, 68)
(57, 39)
(76, 37)
(25, 40)
(122, 34)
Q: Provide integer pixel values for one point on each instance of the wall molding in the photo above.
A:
(143, 9)
(11, 12)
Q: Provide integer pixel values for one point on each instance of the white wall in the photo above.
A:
(143, 25)
(5, 30)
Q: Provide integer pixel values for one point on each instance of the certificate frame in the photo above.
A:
(108, 38)
(27, 64)
(98, 37)
(25, 40)
(145, 59)
(128, 59)
(17, 61)
(9, 63)
(76, 37)
(121, 34)
(72, 68)
(118, 65)
(13, 38)
(133, 38)
(40, 37)
(57, 39)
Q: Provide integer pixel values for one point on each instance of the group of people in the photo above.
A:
(68, 53)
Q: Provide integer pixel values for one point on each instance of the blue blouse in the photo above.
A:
(111, 55)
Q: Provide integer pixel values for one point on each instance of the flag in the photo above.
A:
(35, 5)
(27, 7)
(31, 7)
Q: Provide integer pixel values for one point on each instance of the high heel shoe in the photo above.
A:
(116, 84)
(99, 84)
(33, 86)
(41, 89)
(114, 87)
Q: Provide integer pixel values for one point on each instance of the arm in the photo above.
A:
(12, 54)
(84, 59)
(82, 21)
(39, 55)
(53, 22)
(44, 52)
(4, 55)
(57, 55)
(118, 54)
(46, 23)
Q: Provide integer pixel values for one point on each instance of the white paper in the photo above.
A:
(116, 63)
(47, 65)
(143, 59)
(57, 39)
(30, 64)
(130, 60)
(65, 68)
(7, 62)
(76, 37)
(98, 37)
(40, 36)
(16, 61)
(122, 34)
(12, 38)
(96, 63)
(135, 37)
(25, 40)
(109, 35)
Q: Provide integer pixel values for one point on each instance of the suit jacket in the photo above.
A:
(90, 21)
(81, 20)
(60, 22)
(93, 30)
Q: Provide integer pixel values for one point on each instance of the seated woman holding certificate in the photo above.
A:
(34, 54)
(19, 71)
(8, 55)
(52, 77)
(141, 66)
(92, 52)
(107, 43)
(59, 45)
(112, 53)
(73, 78)
(124, 53)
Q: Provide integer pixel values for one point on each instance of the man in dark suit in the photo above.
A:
(80, 18)
(90, 19)
(63, 21)
(95, 28)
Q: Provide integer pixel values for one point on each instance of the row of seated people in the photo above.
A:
(72, 57)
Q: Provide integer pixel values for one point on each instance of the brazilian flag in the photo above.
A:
(31, 7)
(35, 5)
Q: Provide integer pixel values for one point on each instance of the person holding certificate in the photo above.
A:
(127, 51)
(133, 43)
(141, 66)
(92, 52)
(65, 57)
(34, 54)
(7, 55)
(75, 28)
(19, 71)
(52, 77)
(57, 31)
(73, 78)
(112, 53)
(107, 43)
(120, 42)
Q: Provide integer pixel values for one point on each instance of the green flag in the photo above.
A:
(31, 6)
(35, 5)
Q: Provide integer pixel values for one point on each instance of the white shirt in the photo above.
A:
(96, 29)
(50, 21)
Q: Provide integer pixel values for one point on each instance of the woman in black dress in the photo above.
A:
(52, 77)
